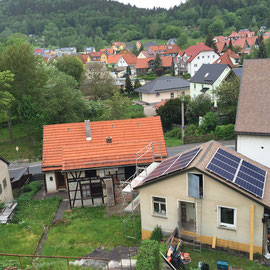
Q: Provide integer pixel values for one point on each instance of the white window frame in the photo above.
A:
(172, 94)
(226, 225)
(152, 206)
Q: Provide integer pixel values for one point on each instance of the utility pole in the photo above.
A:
(183, 116)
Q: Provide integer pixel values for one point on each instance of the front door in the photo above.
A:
(60, 181)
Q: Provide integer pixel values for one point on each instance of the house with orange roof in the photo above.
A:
(108, 51)
(210, 194)
(84, 58)
(146, 54)
(166, 50)
(112, 60)
(266, 35)
(127, 60)
(191, 59)
(95, 56)
(229, 58)
(145, 64)
(118, 46)
(89, 159)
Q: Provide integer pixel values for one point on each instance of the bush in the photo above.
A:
(209, 122)
(186, 76)
(225, 132)
(167, 72)
(175, 133)
(191, 130)
(32, 190)
(157, 234)
(149, 256)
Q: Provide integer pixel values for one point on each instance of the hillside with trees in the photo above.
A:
(68, 23)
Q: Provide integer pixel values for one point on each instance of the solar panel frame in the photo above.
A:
(245, 175)
(217, 163)
(188, 157)
(160, 171)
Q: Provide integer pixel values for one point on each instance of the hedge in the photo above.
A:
(29, 191)
(225, 132)
(149, 256)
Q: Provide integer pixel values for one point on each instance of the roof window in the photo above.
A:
(206, 75)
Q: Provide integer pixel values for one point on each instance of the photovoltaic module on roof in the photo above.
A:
(238, 171)
(173, 164)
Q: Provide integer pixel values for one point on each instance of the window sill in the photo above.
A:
(227, 228)
(160, 216)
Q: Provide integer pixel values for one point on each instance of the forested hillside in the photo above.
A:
(98, 22)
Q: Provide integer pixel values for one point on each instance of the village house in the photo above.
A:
(84, 58)
(146, 64)
(191, 59)
(229, 58)
(208, 78)
(112, 60)
(212, 195)
(89, 49)
(163, 88)
(5, 185)
(89, 159)
(147, 54)
(252, 126)
(166, 50)
(126, 60)
(118, 46)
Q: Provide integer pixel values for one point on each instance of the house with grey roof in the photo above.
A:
(163, 88)
(172, 41)
(252, 126)
(208, 78)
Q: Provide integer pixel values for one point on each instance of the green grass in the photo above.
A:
(84, 230)
(135, 111)
(158, 41)
(172, 142)
(211, 257)
(22, 236)
(8, 149)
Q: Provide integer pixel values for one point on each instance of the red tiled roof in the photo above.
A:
(220, 46)
(224, 59)
(108, 51)
(161, 103)
(113, 59)
(65, 146)
(130, 59)
(166, 48)
(143, 62)
(83, 57)
(194, 50)
(234, 34)
(93, 54)
(232, 54)
(239, 43)
(251, 40)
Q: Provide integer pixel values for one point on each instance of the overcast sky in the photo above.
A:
(151, 3)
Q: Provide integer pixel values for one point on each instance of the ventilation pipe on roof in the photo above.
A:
(87, 130)
(109, 140)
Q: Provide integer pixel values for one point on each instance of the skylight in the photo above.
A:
(206, 74)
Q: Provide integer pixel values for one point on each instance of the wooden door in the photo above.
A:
(60, 181)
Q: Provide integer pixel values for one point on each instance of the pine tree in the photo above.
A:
(173, 69)
(230, 45)
(262, 50)
(129, 87)
(137, 84)
(128, 70)
(157, 62)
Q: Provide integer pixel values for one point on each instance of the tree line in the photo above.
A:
(66, 23)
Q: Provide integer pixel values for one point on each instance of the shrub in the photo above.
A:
(225, 132)
(149, 256)
(157, 234)
(174, 133)
(32, 190)
(167, 72)
(186, 76)
(209, 122)
(191, 130)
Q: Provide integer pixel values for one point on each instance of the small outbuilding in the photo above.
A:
(5, 185)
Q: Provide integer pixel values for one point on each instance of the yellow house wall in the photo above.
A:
(103, 58)
(174, 189)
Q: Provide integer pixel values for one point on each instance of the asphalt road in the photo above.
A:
(35, 167)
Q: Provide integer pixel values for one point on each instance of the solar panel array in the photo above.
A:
(173, 164)
(238, 171)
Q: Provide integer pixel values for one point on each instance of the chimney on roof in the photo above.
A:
(87, 130)
(109, 140)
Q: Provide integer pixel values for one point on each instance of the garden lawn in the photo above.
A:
(172, 142)
(23, 236)
(212, 256)
(135, 111)
(84, 230)
(8, 149)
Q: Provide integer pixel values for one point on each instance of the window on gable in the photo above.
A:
(159, 206)
(213, 56)
(227, 217)
(203, 56)
(195, 185)
(5, 183)
(195, 65)
(208, 56)
(172, 95)
(198, 57)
